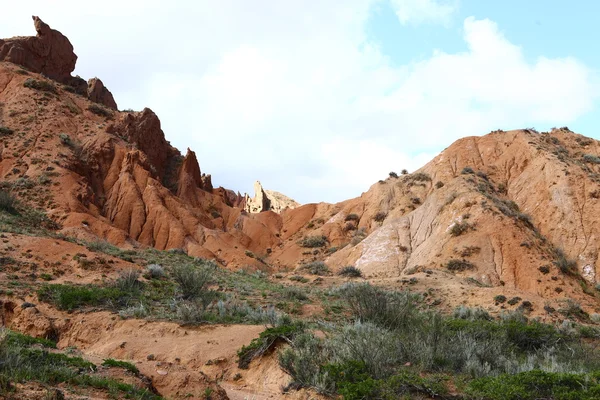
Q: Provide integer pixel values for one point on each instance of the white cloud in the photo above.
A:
(423, 11)
(294, 95)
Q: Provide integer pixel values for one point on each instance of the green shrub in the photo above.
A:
(565, 265)
(380, 216)
(4, 131)
(467, 170)
(109, 362)
(514, 300)
(7, 202)
(420, 177)
(316, 268)
(393, 174)
(350, 271)
(266, 341)
(128, 281)
(65, 139)
(374, 304)
(294, 293)
(352, 217)
(43, 86)
(500, 298)
(100, 110)
(533, 385)
(314, 241)
(459, 265)
(592, 159)
(459, 228)
(193, 281)
(70, 297)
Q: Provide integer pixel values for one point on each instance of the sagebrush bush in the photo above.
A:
(100, 110)
(350, 271)
(5, 131)
(43, 86)
(315, 268)
(352, 217)
(459, 228)
(380, 216)
(459, 265)
(7, 202)
(155, 271)
(314, 241)
(193, 281)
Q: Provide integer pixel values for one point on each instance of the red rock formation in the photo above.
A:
(49, 53)
(98, 93)
(143, 130)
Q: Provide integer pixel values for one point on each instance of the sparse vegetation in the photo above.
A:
(350, 271)
(315, 268)
(65, 139)
(591, 159)
(4, 131)
(23, 363)
(460, 227)
(7, 202)
(43, 86)
(100, 110)
(394, 349)
(564, 264)
(459, 265)
(439, 184)
(380, 216)
(467, 170)
(109, 362)
(314, 241)
(393, 174)
(352, 217)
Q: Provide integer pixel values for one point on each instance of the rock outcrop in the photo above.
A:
(268, 200)
(98, 93)
(49, 52)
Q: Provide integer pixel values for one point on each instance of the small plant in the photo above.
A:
(380, 216)
(314, 241)
(7, 202)
(459, 228)
(193, 281)
(65, 139)
(459, 265)
(298, 278)
(393, 174)
(155, 271)
(500, 298)
(404, 172)
(544, 269)
(350, 271)
(566, 266)
(266, 341)
(43, 86)
(99, 110)
(467, 170)
(420, 177)
(294, 293)
(352, 217)
(514, 301)
(316, 268)
(592, 159)
(109, 362)
(4, 131)
(439, 184)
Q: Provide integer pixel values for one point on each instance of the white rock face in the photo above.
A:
(268, 200)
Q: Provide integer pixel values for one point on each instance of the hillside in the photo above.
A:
(103, 222)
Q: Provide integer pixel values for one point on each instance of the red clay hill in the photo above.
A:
(512, 211)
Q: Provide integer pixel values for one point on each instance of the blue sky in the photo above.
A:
(319, 100)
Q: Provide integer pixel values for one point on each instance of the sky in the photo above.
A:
(321, 99)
